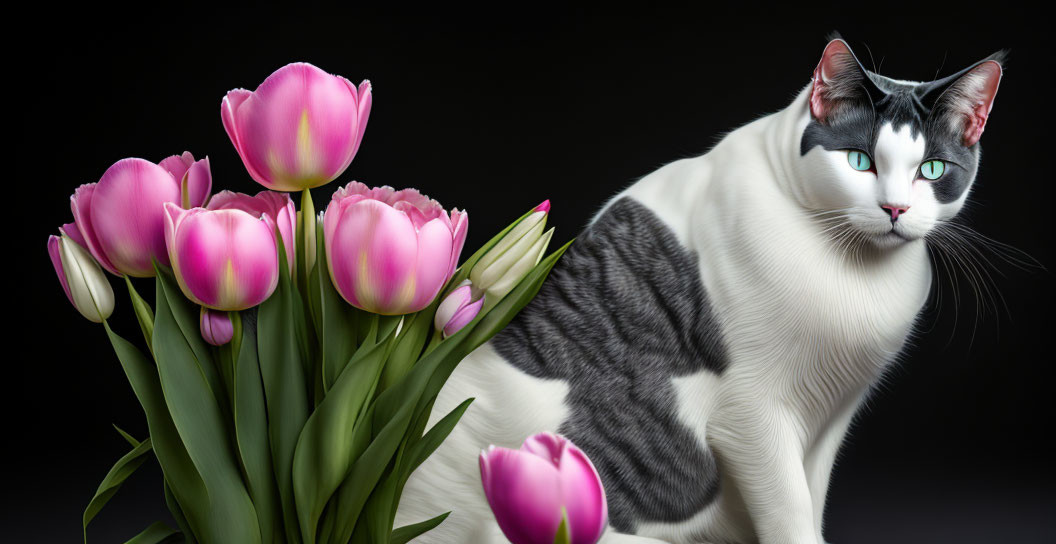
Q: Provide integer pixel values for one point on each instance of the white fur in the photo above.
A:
(813, 309)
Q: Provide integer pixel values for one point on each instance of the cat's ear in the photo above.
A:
(964, 99)
(839, 81)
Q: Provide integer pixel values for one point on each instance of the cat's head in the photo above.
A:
(891, 158)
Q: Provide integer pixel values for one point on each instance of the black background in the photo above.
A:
(495, 112)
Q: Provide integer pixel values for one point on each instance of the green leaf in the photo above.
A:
(128, 438)
(122, 469)
(186, 315)
(327, 446)
(423, 448)
(168, 447)
(144, 314)
(418, 450)
(202, 424)
(177, 513)
(404, 534)
(367, 471)
(339, 320)
(251, 434)
(282, 364)
(157, 533)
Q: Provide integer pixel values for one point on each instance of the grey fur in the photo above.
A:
(622, 314)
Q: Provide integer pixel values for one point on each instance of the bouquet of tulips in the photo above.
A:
(292, 359)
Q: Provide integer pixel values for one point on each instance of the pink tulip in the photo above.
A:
(299, 129)
(120, 218)
(216, 326)
(276, 209)
(457, 310)
(530, 489)
(390, 252)
(223, 259)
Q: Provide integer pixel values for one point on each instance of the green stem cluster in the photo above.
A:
(305, 428)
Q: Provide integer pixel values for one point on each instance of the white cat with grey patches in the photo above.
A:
(709, 337)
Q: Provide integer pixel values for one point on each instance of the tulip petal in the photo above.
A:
(431, 270)
(126, 215)
(81, 206)
(229, 107)
(55, 252)
(366, 98)
(459, 230)
(524, 492)
(177, 165)
(584, 497)
(277, 207)
(197, 183)
(463, 316)
(74, 233)
(378, 250)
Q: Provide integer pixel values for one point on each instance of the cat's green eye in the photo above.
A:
(859, 161)
(932, 169)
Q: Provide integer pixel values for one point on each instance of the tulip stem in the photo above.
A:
(306, 236)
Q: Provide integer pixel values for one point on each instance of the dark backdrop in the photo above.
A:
(495, 112)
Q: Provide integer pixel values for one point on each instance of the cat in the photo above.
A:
(710, 335)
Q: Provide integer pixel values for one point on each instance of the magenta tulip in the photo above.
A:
(530, 489)
(120, 218)
(216, 326)
(277, 209)
(300, 128)
(457, 309)
(390, 252)
(223, 259)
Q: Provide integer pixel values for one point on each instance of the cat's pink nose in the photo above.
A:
(894, 210)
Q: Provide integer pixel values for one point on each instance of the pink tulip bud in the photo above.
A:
(120, 218)
(299, 129)
(216, 326)
(276, 209)
(390, 252)
(530, 489)
(223, 259)
(457, 310)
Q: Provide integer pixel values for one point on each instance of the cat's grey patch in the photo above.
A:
(622, 313)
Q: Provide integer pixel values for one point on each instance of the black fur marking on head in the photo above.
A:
(917, 105)
(623, 313)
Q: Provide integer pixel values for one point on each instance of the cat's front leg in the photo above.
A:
(760, 447)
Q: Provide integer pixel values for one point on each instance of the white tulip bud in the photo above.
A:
(83, 281)
(510, 260)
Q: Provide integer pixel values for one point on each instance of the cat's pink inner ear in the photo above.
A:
(825, 88)
(979, 89)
